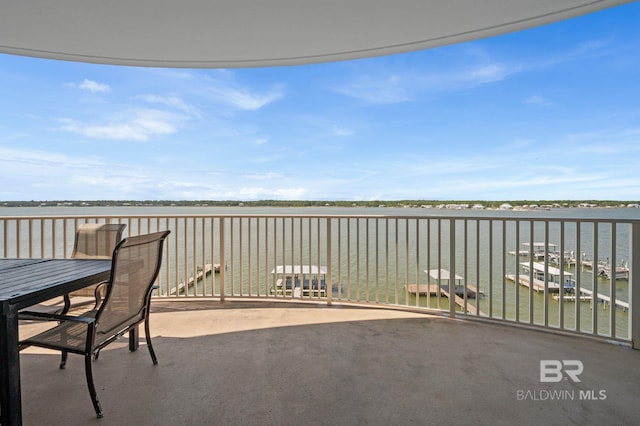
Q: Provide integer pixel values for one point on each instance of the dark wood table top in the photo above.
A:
(25, 282)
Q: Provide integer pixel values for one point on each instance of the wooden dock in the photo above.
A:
(572, 298)
(202, 272)
(524, 280)
(585, 294)
(538, 285)
(623, 306)
(434, 289)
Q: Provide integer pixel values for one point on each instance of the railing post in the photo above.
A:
(452, 267)
(223, 263)
(328, 284)
(634, 285)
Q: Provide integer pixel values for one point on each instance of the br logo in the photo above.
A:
(554, 370)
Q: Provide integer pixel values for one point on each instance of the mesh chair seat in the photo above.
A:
(68, 335)
(71, 335)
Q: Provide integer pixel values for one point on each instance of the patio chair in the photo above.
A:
(135, 267)
(92, 241)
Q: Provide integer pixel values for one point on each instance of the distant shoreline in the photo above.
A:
(427, 204)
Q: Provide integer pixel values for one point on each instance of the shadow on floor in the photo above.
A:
(286, 365)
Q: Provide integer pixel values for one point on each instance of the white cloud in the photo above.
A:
(538, 100)
(138, 125)
(24, 159)
(488, 73)
(341, 131)
(244, 99)
(408, 84)
(589, 47)
(93, 86)
(378, 90)
(264, 176)
(173, 102)
(257, 193)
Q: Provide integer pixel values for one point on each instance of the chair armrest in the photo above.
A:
(98, 292)
(56, 317)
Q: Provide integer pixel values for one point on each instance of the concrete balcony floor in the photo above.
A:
(264, 363)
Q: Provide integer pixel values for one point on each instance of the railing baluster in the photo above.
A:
(612, 282)
(634, 284)
(452, 267)
(503, 274)
(594, 281)
(328, 280)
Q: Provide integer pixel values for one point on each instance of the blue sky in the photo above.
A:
(547, 113)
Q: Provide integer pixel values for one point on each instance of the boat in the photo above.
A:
(300, 280)
(544, 275)
(537, 250)
(605, 269)
(621, 270)
(569, 258)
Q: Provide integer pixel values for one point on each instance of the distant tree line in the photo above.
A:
(318, 203)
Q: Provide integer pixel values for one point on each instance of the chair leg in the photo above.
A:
(92, 388)
(63, 361)
(147, 335)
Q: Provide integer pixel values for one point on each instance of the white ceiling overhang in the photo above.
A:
(252, 33)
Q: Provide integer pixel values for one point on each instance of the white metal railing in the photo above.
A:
(394, 261)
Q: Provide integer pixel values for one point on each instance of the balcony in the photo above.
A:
(269, 362)
(382, 344)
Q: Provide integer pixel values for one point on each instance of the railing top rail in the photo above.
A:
(457, 216)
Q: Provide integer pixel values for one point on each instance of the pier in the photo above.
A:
(434, 289)
(585, 294)
(202, 272)
(544, 276)
(523, 280)
(606, 300)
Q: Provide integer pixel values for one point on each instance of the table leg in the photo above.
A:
(10, 397)
(134, 341)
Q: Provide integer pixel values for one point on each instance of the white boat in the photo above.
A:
(621, 270)
(300, 280)
(569, 258)
(537, 250)
(605, 269)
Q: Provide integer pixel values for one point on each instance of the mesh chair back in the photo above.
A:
(97, 240)
(136, 263)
